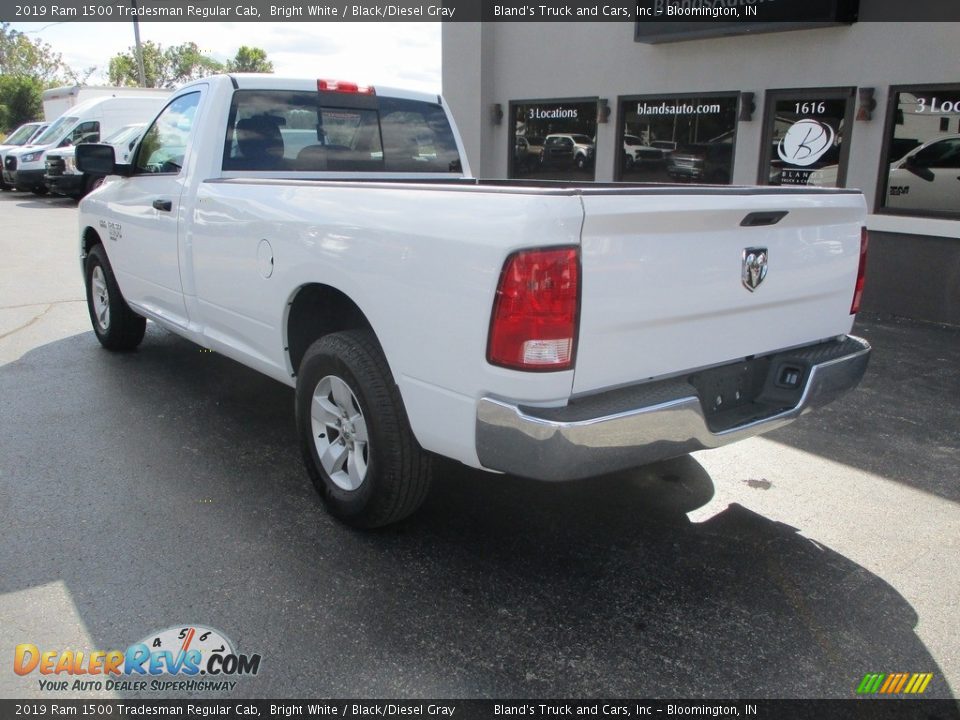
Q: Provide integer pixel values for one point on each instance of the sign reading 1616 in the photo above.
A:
(810, 108)
(937, 105)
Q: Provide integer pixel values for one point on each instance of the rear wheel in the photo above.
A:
(354, 434)
(40, 190)
(117, 326)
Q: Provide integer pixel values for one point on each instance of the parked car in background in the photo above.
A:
(87, 122)
(526, 152)
(18, 138)
(927, 177)
(567, 148)
(62, 176)
(637, 152)
(702, 162)
(664, 146)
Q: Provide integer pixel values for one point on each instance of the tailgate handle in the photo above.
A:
(759, 219)
(164, 205)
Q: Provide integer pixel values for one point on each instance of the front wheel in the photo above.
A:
(91, 184)
(117, 326)
(354, 434)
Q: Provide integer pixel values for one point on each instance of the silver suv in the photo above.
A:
(563, 148)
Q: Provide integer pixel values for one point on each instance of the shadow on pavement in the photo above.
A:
(903, 421)
(165, 487)
(43, 202)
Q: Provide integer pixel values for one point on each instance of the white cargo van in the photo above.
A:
(56, 101)
(87, 122)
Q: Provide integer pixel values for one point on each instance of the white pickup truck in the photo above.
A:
(330, 236)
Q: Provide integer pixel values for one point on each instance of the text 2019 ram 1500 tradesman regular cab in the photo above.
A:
(330, 236)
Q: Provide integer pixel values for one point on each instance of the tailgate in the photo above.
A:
(662, 278)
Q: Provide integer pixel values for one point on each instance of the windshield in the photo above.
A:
(21, 135)
(127, 132)
(53, 132)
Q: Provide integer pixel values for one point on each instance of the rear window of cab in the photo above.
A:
(279, 130)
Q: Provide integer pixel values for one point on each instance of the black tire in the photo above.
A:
(93, 182)
(40, 190)
(398, 471)
(120, 328)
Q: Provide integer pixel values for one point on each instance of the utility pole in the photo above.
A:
(138, 50)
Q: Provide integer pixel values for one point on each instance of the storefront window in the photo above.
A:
(677, 138)
(807, 137)
(920, 174)
(553, 139)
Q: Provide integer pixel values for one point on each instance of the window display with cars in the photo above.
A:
(677, 138)
(554, 139)
(924, 180)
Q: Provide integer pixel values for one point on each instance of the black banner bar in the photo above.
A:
(638, 11)
(864, 708)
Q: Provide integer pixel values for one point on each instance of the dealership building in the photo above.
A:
(859, 104)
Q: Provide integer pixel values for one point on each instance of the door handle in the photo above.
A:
(165, 205)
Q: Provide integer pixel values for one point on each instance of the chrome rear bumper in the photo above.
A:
(654, 421)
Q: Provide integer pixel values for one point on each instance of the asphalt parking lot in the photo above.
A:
(165, 487)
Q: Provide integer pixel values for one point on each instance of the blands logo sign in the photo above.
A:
(894, 683)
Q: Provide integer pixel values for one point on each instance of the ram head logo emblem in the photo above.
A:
(754, 267)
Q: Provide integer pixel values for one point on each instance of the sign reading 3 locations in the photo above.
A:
(553, 139)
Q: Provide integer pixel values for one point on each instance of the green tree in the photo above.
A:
(20, 100)
(162, 68)
(251, 60)
(27, 67)
(21, 56)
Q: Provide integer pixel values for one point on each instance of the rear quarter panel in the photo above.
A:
(422, 265)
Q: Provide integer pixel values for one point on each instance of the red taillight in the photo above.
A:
(341, 86)
(534, 322)
(861, 273)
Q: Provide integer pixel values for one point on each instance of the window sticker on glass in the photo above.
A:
(805, 137)
(922, 172)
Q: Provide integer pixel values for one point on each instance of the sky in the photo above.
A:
(405, 55)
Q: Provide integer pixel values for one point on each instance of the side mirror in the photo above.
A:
(98, 159)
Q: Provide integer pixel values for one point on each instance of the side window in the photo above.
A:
(417, 137)
(165, 142)
(85, 132)
(943, 154)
